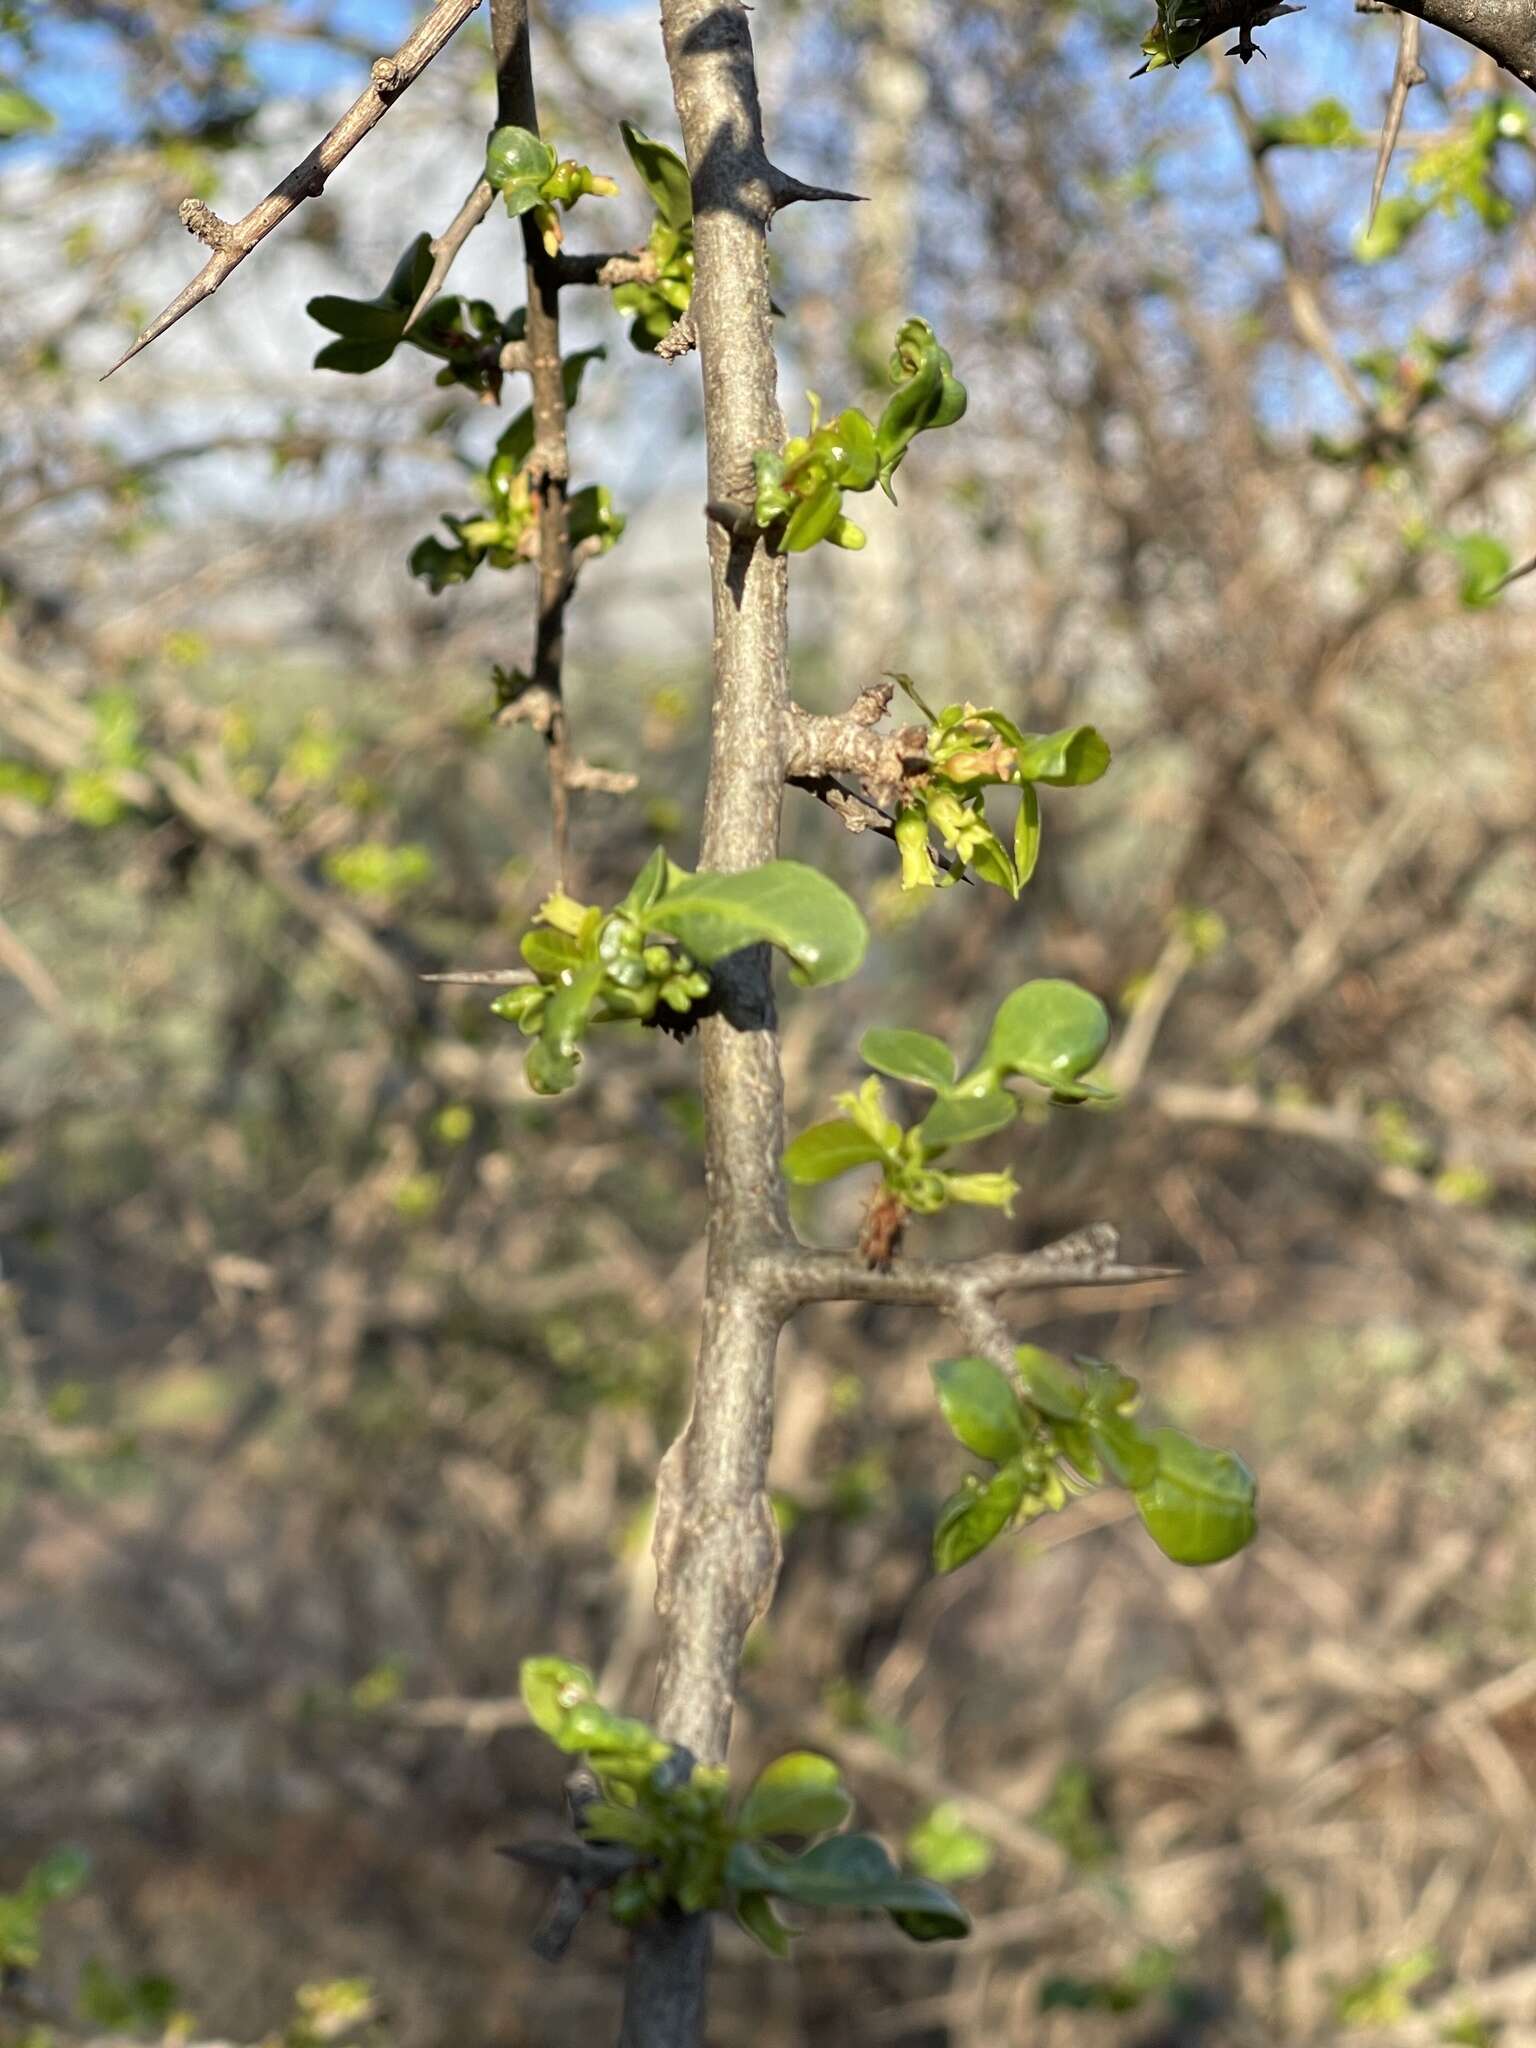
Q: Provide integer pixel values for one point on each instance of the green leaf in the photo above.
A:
(381, 319)
(553, 1058)
(1026, 834)
(1054, 1391)
(549, 953)
(61, 1873)
(798, 1794)
(1484, 563)
(945, 1847)
(860, 456)
(551, 1687)
(1200, 1507)
(755, 1912)
(976, 1516)
(812, 519)
(826, 1150)
(20, 114)
(1130, 1456)
(1066, 759)
(516, 160)
(850, 1871)
(963, 1119)
(981, 1407)
(783, 903)
(663, 174)
(649, 886)
(1049, 1031)
(909, 1056)
(355, 358)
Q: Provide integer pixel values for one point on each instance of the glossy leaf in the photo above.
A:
(383, 317)
(1026, 834)
(551, 1687)
(790, 906)
(909, 1056)
(516, 161)
(850, 1871)
(663, 174)
(1049, 1031)
(1127, 1450)
(798, 1794)
(827, 1150)
(963, 1119)
(1066, 759)
(1054, 1390)
(981, 1407)
(1200, 1507)
(549, 954)
(812, 519)
(976, 1516)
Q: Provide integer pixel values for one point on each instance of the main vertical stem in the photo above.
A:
(549, 462)
(716, 1544)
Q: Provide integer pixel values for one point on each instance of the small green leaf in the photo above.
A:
(976, 1516)
(60, 1874)
(909, 1056)
(1051, 1387)
(1026, 834)
(1066, 759)
(1199, 1508)
(551, 1688)
(19, 112)
(860, 455)
(963, 1119)
(812, 519)
(548, 953)
(515, 159)
(849, 1871)
(981, 1407)
(945, 1847)
(826, 1150)
(755, 1912)
(354, 358)
(1484, 563)
(663, 174)
(1129, 1454)
(798, 1794)
(1050, 1031)
(792, 907)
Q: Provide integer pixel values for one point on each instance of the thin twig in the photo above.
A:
(446, 246)
(1406, 75)
(232, 241)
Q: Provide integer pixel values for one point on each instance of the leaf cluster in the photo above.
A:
(968, 751)
(645, 958)
(691, 1854)
(531, 179)
(1065, 1431)
(657, 305)
(505, 531)
(1048, 1032)
(799, 498)
(465, 335)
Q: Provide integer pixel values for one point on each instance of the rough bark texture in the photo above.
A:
(1506, 29)
(716, 1545)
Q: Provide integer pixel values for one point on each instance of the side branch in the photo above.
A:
(1087, 1258)
(232, 241)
